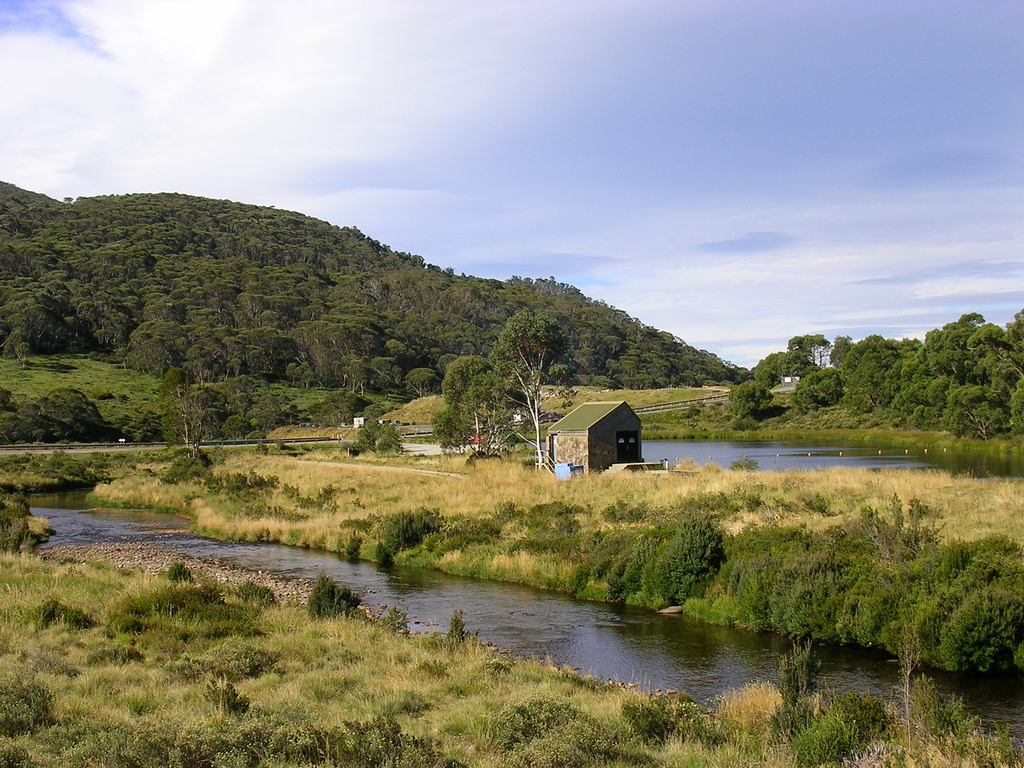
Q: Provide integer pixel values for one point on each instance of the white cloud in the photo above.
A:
(753, 164)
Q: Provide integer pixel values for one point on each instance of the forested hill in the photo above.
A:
(223, 289)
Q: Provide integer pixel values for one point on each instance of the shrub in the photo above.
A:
(14, 756)
(630, 582)
(52, 611)
(222, 694)
(456, 629)
(186, 467)
(798, 677)
(938, 714)
(656, 720)
(184, 610)
(178, 572)
(405, 530)
(824, 741)
(236, 660)
(25, 704)
(15, 534)
(241, 484)
(354, 545)
(744, 464)
(583, 742)
(689, 559)
(524, 721)
(327, 599)
(257, 594)
(114, 654)
(984, 632)
(381, 743)
(396, 620)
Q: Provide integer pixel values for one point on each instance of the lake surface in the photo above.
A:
(610, 641)
(812, 454)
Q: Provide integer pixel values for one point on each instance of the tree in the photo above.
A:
(527, 348)
(871, 372)
(818, 389)
(769, 371)
(805, 353)
(751, 399)
(422, 381)
(476, 407)
(840, 346)
(189, 408)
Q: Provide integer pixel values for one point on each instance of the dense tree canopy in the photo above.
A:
(966, 377)
(223, 290)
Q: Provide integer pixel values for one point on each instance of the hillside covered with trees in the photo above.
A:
(225, 290)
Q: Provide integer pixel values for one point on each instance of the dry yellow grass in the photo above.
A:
(751, 707)
(367, 488)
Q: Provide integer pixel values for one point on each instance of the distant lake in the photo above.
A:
(812, 454)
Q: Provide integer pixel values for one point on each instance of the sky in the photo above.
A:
(733, 172)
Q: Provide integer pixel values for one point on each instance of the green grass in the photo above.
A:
(115, 389)
(282, 689)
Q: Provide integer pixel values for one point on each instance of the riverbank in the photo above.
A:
(841, 556)
(154, 559)
(108, 667)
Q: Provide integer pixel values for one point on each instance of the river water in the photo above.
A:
(610, 641)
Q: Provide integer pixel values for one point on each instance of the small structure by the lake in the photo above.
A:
(595, 436)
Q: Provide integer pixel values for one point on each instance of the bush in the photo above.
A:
(984, 632)
(257, 594)
(354, 545)
(178, 572)
(241, 660)
(798, 677)
(222, 694)
(380, 743)
(658, 719)
(525, 721)
(629, 579)
(114, 654)
(187, 467)
(328, 599)
(14, 756)
(25, 704)
(456, 629)
(15, 534)
(405, 530)
(578, 744)
(688, 560)
(54, 612)
(183, 610)
(396, 620)
(744, 464)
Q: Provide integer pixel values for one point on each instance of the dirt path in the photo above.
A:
(376, 467)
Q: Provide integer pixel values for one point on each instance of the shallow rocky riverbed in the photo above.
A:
(152, 558)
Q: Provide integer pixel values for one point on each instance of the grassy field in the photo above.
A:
(105, 668)
(115, 389)
(350, 491)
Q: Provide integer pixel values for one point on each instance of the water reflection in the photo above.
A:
(810, 454)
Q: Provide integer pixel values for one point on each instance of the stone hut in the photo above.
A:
(595, 436)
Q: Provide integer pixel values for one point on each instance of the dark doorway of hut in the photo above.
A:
(628, 447)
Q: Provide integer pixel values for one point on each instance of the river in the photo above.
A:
(610, 641)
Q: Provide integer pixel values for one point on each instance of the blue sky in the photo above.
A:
(733, 172)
